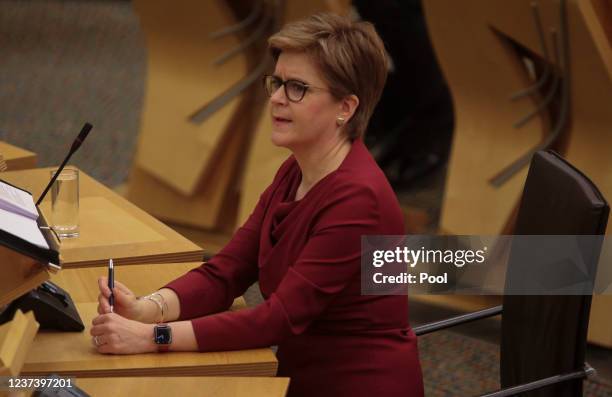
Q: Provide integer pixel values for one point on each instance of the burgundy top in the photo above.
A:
(306, 255)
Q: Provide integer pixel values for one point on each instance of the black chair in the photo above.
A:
(543, 338)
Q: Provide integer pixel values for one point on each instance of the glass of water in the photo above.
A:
(65, 203)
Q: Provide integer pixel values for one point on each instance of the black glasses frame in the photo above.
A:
(304, 87)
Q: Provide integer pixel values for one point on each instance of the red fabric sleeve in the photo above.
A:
(326, 265)
(214, 285)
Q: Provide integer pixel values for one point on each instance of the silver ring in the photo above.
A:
(96, 341)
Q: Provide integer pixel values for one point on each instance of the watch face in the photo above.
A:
(163, 334)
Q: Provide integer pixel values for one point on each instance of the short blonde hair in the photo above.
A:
(350, 56)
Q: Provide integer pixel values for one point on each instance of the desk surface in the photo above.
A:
(110, 226)
(73, 353)
(82, 283)
(17, 158)
(186, 386)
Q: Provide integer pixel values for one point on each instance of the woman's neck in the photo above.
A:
(317, 163)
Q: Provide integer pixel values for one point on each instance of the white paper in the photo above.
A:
(17, 200)
(22, 227)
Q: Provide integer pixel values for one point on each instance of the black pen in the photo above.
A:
(111, 283)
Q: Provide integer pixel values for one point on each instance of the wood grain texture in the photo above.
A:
(202, 208)
(73, 354)
(17, 158)
(111, 227)
(16, 337)
(185, 172)
(20, 274)
(181, 78)
(82, 283)
(186, 386)
(483, 72)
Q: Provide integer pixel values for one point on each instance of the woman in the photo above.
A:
(302, 241)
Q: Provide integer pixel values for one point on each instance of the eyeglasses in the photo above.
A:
(294, 89)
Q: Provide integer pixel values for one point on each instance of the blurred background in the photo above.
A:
(180, 128)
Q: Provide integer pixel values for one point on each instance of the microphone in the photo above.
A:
(80, 138)
(75, 146)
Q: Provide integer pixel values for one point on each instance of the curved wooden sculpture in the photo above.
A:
(492, 49)
(181, 77)
(199, 107)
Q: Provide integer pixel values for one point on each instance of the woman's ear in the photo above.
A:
(348, 106)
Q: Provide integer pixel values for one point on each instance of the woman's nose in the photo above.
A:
(278, 96)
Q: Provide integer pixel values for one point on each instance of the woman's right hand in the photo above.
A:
(126, 304)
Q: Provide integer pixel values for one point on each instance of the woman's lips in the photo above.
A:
(280, 120)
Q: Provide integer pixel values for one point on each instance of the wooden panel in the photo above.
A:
(72, 354)
(16, 336)
(186, 386)
(82, 283)
(106, 224)
(214, 240)
(20, 274)
(181, 78)
(597, 16)
(193, 183)
(483, 72)
(17, 158)
(111, 227)
(203, 208)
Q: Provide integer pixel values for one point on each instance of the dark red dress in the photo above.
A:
(306, 255)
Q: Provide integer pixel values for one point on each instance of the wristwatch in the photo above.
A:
(162, 336)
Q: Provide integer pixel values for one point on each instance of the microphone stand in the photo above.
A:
(75, 146)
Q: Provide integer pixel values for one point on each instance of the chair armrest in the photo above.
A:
(536, 384)
(457, 320)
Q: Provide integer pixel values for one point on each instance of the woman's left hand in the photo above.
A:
(113, 334)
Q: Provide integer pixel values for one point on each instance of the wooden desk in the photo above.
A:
(110, 227)
(82, 283)
(186, 386)
(17, 158)
(16, 337)
(73, 354)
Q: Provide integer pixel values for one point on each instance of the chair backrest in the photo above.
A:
(546, 335)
